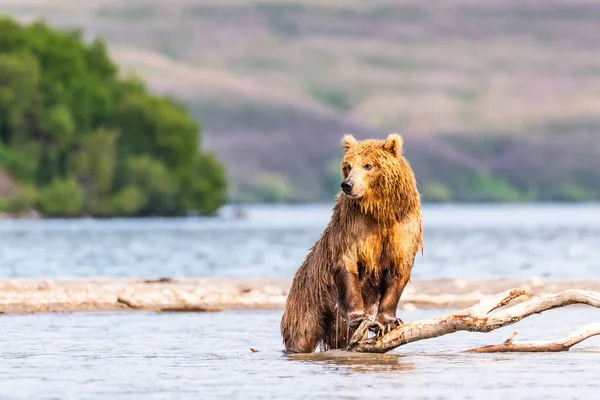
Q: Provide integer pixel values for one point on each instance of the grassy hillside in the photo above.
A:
(498, 99)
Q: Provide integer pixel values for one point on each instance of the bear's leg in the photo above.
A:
(304, 344)
(392, 286)
(371, 295)
(350, 296)
(302, 333)
(336, 330)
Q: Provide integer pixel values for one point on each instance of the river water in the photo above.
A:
(207, 355)
(460, 241)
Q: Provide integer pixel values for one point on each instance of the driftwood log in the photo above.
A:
(479, 318)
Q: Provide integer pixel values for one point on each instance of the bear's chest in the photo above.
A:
(379, 248)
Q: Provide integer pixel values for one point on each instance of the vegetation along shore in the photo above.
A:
(77, 137)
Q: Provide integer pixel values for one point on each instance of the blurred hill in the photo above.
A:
(498, 100)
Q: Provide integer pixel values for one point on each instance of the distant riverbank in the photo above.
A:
(24, 296)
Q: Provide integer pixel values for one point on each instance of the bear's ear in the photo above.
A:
(348, 141)
(394, 144)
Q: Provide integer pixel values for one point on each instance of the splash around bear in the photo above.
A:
(364, 258)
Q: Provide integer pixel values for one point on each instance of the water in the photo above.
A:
(460, 241)
(174, 356)
(207, 356)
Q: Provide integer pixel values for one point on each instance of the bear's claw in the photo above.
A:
(383, 328)
(376, 327)
(356, 319)
(367, 323)
(362, 330)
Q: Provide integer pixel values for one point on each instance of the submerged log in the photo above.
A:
(479, 318)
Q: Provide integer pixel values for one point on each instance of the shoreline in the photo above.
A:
(242, 210)
(31, 296)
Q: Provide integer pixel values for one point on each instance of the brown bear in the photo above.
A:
(364, 258)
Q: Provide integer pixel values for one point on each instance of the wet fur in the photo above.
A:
(364, 258)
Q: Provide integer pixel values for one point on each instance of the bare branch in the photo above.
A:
(492, 303)
(542, 346)
(478, 319)
(511, 337)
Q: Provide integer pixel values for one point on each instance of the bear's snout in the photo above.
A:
(347, 187)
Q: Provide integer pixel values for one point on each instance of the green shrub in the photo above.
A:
(331, 98)
(128, 201)
(27, 199)
(125, 203)
(20, 96)
(59, 123)
(21, 165)
(204, 190)
(62, 198)
(94, 167)
(485, 187)
(332, 180)
(272, 188)
(437, 192)
(157, 186)
(573, 192)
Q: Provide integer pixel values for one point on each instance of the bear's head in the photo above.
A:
(376, 174)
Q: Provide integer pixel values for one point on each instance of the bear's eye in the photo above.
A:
(368, 166)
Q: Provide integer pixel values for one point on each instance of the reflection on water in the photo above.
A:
(208, 356)
(460, 241)
(358, 362)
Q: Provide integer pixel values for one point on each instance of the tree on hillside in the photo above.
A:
(90, 141)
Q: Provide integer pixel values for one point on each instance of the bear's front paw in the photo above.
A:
(355, 318)
(387, 323)
(362, 329)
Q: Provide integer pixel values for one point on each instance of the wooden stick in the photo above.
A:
(478, 319)
(542, 346)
